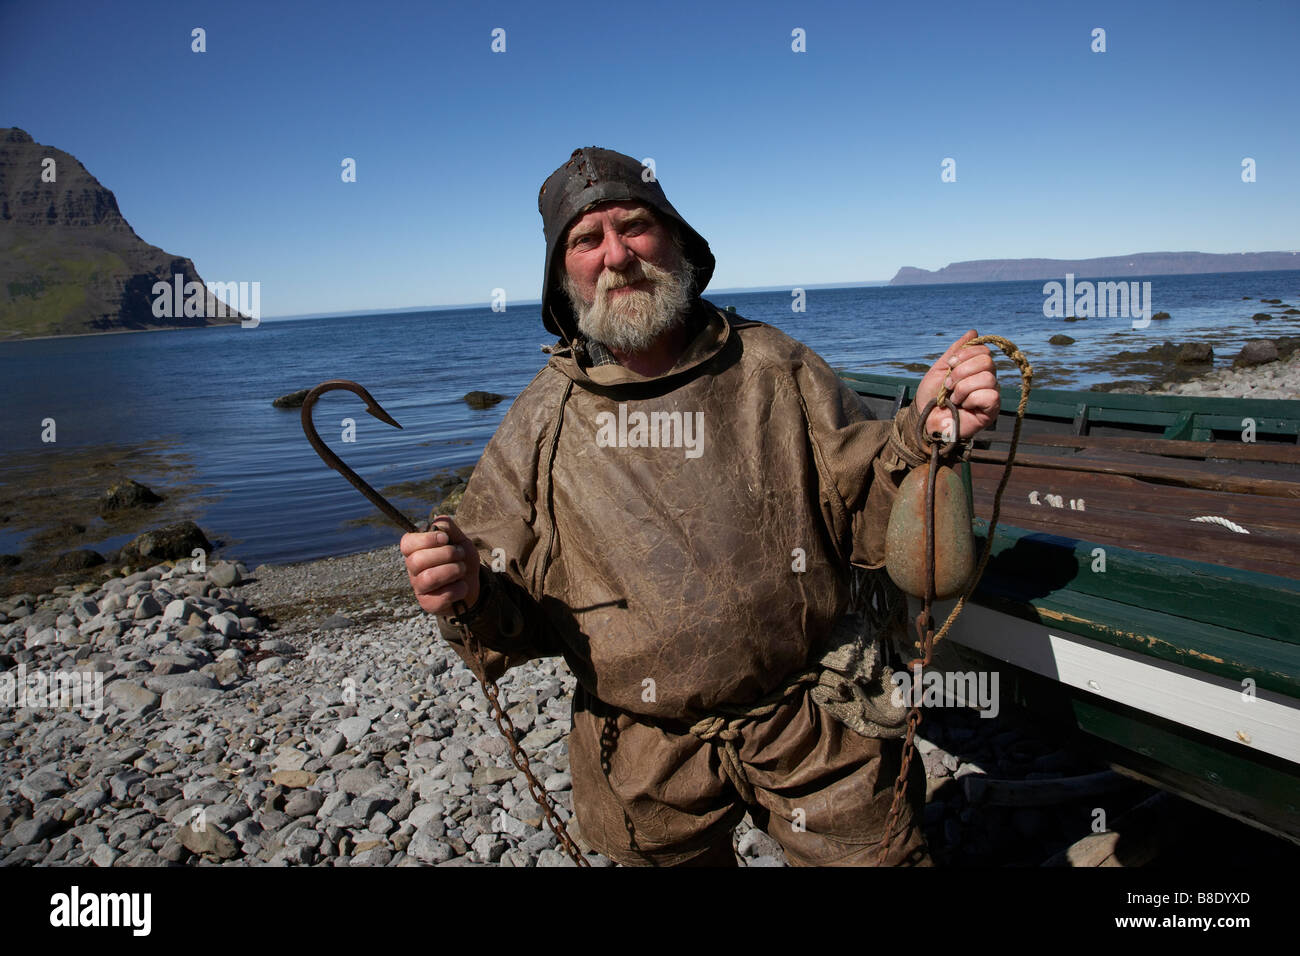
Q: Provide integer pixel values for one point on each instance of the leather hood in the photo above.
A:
(594, 175)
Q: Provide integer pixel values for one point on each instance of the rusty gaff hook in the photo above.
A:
(335, 462)
(504, 723)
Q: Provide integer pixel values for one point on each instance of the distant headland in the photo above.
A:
(1137, 264)
(70, 264)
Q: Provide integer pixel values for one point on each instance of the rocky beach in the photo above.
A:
(1277, 378)
(310, 715)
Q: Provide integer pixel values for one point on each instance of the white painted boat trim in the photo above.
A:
(1268, 722)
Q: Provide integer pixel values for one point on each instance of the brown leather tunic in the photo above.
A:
(682, 541)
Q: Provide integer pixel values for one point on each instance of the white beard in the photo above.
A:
(633, 321)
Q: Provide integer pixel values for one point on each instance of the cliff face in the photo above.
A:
(1138, 264)
(69, 262)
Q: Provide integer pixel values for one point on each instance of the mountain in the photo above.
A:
(1137, 264)
(69, 262)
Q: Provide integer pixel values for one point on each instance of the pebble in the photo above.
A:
(353, 729)
(429, 849)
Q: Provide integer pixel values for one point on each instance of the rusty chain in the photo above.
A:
(517, 756)
(490, 690)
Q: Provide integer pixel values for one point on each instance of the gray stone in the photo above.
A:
(84, 610)
(208, 840)
(488, 848)
(248, 832)
(490, 776)
(540, 739)
(91, 798)
(224, 624)
(178, 610)
(104, 856)
(539, 841)
(375, 856)
(225, 815)
(224, 575)
(1195, 353)
(147, 608)
(303, 836)
(503, 822)
(558, 781)
(173, 851)
(354, 728)
(34, 830)
(304, 803)
(402, 809)
(756, 843)
(190, 633)
(428, 849)
(162, 683)
(424, 813)
(269, 665)
(41, 785)
(367, 806)
(332, 803)
(358, 780)
(335, 622)
(42, 638)
(293, 856)
(185, 698)
(290, 758)
(1256, 352)
(554, 858)
(121, 783)
(332, 744)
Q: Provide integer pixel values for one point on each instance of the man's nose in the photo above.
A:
(618, 254)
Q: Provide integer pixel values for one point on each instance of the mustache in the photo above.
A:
(609, 279)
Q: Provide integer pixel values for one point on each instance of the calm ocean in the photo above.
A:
(206, 394)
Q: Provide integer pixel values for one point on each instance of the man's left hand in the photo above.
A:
(972, 387)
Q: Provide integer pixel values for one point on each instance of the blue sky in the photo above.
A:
(799, 168)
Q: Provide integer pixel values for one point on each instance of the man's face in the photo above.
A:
(625, 275)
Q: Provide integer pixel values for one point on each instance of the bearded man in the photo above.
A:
(687, 505)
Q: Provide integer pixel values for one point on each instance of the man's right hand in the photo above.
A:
(442, 565)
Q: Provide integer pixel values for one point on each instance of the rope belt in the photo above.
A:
(724, 729)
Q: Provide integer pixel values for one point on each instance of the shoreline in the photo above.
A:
(85, 335)
(1277, 380)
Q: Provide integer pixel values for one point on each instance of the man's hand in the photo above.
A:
(442, 565)
(972, 387)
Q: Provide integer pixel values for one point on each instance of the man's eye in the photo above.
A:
(583, 240)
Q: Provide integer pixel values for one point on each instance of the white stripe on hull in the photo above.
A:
(1269, 722)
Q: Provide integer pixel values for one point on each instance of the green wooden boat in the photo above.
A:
(1144, 587)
